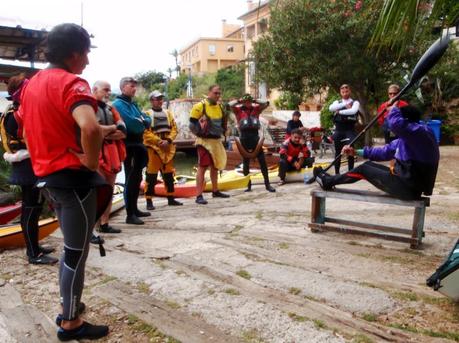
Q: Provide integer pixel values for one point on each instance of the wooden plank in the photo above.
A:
(172, 322)
(334, 318)
(418, 226)
(23, 322)
(365, 196)
(324, 227)
(369, 225)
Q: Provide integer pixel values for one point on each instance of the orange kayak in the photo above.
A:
(11, 236)
(9, 212)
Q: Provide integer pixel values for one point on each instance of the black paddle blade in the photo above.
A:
(428, 60)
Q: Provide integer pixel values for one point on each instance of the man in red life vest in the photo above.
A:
(247, 113)
(294, 155)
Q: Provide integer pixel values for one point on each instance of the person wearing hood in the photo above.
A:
(416, 157)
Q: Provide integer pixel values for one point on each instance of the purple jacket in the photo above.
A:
(415, 151)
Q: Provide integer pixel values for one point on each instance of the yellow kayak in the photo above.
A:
(291, 176)
(224, 183)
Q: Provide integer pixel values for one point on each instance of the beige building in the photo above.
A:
(207, 55)
(255, 23)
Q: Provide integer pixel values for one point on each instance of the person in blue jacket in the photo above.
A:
(136, 153)
(416, 157)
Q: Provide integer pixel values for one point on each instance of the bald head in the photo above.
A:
(101, 90)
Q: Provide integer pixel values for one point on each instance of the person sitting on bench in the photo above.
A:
(294, 155)
(416, 157)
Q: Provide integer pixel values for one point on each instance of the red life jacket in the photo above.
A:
(50, 130)
(247, 118)
(293, 150)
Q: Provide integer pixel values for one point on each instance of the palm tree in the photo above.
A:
(401, 20)
(177, 67)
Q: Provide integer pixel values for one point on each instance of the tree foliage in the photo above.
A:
(313, 44)
(151, 80)
(401, 21)
(231, 81)
(177, 87)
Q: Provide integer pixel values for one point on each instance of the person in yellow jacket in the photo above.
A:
(208, 123)
(159, 140)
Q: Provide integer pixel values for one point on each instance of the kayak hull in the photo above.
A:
(11, 236)
(10, 212)
(185, 190)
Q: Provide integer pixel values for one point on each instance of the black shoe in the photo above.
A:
(270, 188)
(316, 171)
(200, 200)
(60, 317)
(281, 183)
(133, 219)
(97, 240)
(85, 331)
(323, 180)
(150, 206)
(173, 202)
(106, 228)
(46, 250)
(140, 214)
(43, 259)
(249, 187)
(219, 194)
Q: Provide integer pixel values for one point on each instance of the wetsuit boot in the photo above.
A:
(169, 183)
(264, 172)
(249, 186)
(150, 190)
(29, 224)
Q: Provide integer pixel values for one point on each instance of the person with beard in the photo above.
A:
(294, 155)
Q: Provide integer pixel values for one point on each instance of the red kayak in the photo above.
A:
(181, 190)
(9, 212)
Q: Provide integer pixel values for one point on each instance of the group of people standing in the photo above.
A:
(67, 143)
(77, 142)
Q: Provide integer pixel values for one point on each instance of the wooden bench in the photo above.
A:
(413, 236)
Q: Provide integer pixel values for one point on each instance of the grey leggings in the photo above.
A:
(76, 212)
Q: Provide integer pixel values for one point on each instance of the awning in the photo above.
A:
(22, 44)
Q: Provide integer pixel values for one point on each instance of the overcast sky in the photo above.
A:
(132, 35)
